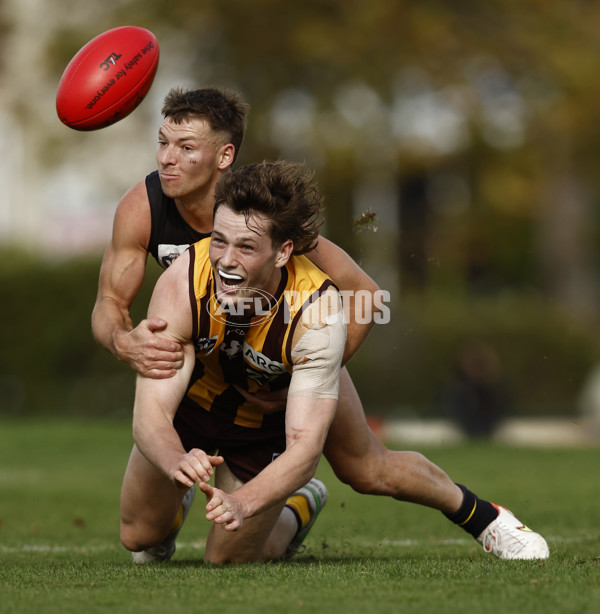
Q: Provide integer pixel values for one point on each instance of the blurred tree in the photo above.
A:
(490, 106)
(469, 128)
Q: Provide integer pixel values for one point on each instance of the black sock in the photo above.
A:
(474, 514)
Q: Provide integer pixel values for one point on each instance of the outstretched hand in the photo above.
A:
(223, 508)
(195, 467)
(148, 353)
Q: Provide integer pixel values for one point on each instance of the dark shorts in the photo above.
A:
(246, 451)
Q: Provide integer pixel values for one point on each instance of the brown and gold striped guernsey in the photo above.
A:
(252, 352)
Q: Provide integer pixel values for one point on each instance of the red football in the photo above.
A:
(107, 78)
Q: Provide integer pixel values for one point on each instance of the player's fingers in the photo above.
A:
(182, 479)
(217, 504)
(166, 367)
(220, 518)
(160, 349)
(222, 515)
(196, 471)
(216, 499)
(154, 325)
(233, 525)
(201, 463)
(193, 470)
(208, 490)
(163, 350)
(164, 361)
(215, 461)
(215, 510)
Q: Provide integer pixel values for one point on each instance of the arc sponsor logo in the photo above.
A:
(264, 369)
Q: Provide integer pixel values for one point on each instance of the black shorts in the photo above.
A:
(247, 451)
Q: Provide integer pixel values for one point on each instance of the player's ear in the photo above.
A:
(226, 156)
(284, 253)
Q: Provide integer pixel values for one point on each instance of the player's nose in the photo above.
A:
(166, 156)
(228, 258)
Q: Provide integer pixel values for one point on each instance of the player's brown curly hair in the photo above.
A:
(282, 191)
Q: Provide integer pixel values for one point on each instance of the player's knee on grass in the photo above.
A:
(135, 538)
(247, 544)
(129, 541)
(229, 559)
(224, 555)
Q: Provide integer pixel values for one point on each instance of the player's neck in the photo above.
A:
(197, 213)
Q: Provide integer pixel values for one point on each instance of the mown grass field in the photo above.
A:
(59, 548)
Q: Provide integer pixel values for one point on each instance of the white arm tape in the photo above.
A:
(317, 359)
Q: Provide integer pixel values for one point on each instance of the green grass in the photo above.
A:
(59, 548)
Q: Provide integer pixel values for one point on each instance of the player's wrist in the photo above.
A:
(120, 344)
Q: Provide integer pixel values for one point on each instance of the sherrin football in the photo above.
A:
(107, 78)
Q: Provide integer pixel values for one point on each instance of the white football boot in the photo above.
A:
(508, 538)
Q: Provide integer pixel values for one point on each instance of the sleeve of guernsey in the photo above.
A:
(318, 349)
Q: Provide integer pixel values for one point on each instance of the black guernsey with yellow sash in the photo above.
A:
(251, 351)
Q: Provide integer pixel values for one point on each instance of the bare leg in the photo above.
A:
(149, 504)
(261, 538)
(360, 459)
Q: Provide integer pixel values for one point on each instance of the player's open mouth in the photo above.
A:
(230, 281)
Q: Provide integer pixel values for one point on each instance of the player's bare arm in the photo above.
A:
(310, 409)
(307, 423)
(121, 276)
(157, 400)
(348, 277)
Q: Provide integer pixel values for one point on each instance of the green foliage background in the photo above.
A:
(50, 364)
(489, 230)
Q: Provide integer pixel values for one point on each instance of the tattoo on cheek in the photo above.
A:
(193, 161)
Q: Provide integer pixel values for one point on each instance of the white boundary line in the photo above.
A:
(201, 544)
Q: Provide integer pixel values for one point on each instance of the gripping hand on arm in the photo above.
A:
(121, 276)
